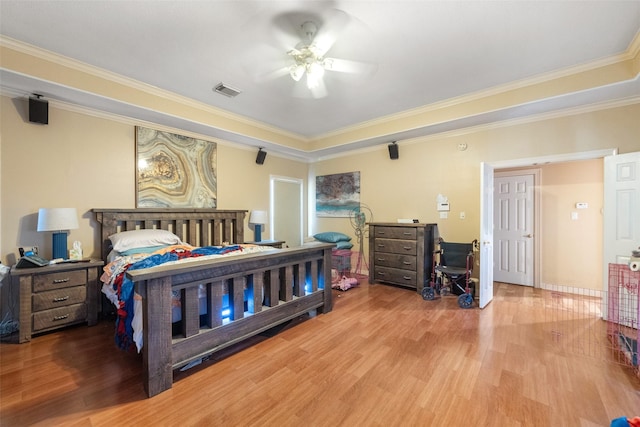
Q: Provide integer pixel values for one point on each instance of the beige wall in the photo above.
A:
(408, 187)
(82, 161)
(85, 161)
(572, 248)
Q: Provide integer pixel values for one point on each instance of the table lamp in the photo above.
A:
(258, 218)
(58, 220)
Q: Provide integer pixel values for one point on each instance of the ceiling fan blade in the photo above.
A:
(347, 66)
(286, 28)
(274, 74)
(319, 90)
(334, 22)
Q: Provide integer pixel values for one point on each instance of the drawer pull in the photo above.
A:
(60, 299)
(407, 248)
(406, 277)
(406, 262)
(406, 233)
(60, 317)
(381, 259)
(380, 232)
(380, 245)
(56, 281)
(381, 273)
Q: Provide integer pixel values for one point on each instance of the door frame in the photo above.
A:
(536, 260)
(535, 161)
(272, 202)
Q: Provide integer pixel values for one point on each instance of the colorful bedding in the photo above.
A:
(119, 289)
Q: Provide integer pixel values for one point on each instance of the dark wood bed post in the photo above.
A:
(157, 365)
(328, 300)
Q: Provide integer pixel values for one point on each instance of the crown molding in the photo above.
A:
(630, 53)
(65, 61)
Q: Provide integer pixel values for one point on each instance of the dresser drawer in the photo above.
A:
(394, 275)
(59, 298)
(57, 280)
(405, 262)
(57, 317)
(407, 233)
(405, 247)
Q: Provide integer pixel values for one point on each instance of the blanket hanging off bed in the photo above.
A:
(123, 287)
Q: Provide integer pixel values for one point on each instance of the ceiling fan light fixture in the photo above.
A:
(315, 72)
(296, 71)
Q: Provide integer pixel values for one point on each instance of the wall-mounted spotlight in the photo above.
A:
(393, 151)
(261, 156)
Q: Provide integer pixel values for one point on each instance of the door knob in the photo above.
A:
(528, 235)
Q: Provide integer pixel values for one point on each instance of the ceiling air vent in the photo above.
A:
(226, 90)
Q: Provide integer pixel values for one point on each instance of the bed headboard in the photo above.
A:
(197, 227)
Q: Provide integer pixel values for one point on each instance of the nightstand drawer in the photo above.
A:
(57, 280)
(407, 233)
(406, 262)
(59, 298)
(406, 247)
(57, 317)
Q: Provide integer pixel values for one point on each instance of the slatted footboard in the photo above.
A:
(281, 284)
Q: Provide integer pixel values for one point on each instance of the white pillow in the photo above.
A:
(126, 240)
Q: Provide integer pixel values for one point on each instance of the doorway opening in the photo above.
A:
(287, 211)
(486, 197)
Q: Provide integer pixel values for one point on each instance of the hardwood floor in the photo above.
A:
(383, 357)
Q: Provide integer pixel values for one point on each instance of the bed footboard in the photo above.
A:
(264, 290)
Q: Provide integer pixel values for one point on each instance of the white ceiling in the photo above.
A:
(425, 51)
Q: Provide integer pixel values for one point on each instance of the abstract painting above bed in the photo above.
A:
(175, 170)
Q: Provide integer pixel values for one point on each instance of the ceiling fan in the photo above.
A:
(307, 60)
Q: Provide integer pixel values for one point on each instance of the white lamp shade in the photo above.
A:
(258, 217)
(56, 219)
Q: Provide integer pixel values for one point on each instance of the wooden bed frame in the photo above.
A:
(293, 281)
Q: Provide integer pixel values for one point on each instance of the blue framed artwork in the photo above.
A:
(337, 195)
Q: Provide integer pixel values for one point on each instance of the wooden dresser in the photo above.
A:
(57, 295)
(401, 254)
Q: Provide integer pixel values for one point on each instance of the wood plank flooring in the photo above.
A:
(383, 357)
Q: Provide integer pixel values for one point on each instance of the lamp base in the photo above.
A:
(258, 232)
(60, 245)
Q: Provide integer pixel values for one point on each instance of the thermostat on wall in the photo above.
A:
(443, 206)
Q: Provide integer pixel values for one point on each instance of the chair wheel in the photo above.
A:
(428, 293)
(465, 301)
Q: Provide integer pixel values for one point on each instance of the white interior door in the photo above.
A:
(513, 228)
(486, 234)
(621, 220)
(621, 208)
(286, 210)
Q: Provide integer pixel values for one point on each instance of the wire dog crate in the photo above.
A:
(623, 312)
(596, 324)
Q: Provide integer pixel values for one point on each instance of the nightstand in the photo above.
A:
(57, 295)
(274, 243)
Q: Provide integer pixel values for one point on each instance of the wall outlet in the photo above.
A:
(463, 215)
